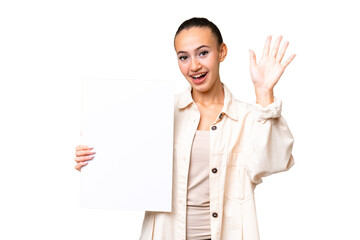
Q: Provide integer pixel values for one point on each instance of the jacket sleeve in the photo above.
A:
(271, 142)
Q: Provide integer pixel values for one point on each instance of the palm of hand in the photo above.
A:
(268, 71)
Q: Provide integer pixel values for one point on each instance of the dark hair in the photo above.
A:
(201, 22)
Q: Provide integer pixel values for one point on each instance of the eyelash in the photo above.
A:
(183, 58)
(203, 53)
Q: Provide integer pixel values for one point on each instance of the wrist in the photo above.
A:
(264, 97)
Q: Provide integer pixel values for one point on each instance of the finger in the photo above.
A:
(281, 54)
(252, 58)
(267, 46)
(84, 153)
(289, 60)
(83, 147)
(275, 49)
(80, 165)
(81, 159)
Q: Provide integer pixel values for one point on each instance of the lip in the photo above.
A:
(200, 80)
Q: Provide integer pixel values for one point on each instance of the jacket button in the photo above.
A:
(214, 170)
(220, 116)
(214, 214)
(213, 127)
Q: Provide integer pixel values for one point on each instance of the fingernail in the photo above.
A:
(90, 146)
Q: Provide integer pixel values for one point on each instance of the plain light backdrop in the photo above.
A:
(47, 47)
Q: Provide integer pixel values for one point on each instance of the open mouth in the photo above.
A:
(199, 78)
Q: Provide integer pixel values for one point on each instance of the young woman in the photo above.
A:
(222, 147)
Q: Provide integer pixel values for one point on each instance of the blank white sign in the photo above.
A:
(130, 125)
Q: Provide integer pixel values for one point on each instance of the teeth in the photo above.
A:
(199, 75)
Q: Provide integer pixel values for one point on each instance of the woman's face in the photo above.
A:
(199, 57)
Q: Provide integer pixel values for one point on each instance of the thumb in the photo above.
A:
(252, 58)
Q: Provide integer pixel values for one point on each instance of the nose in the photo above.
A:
(195, 65)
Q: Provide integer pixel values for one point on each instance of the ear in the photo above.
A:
(222, 52)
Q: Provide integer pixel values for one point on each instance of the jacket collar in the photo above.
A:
(229, 107)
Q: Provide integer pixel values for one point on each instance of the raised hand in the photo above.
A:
(268, 71)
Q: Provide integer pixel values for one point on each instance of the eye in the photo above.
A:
(183, 58)
(204, 53)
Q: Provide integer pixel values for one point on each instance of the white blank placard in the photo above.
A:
(130, 125)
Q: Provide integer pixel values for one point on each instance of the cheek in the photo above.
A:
(183, 68)
(210, 62)
(213, 64)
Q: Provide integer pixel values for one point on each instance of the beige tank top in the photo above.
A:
(198, 196)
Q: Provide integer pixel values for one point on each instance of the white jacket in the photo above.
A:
(247, 142)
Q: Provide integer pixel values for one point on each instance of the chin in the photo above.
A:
(201, 87)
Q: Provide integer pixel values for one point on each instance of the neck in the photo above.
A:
(215, 95)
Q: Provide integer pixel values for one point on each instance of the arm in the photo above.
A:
(271, 138)
(271, 142)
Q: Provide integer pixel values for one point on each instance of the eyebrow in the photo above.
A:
(195, 49)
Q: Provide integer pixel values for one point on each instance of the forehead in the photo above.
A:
(192, 38)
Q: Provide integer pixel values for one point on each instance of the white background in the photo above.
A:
(47, 47)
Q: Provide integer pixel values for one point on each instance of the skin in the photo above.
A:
(83, 154)
(268, 71)
(199, 52)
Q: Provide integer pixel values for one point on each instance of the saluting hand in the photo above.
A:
(268, 71)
